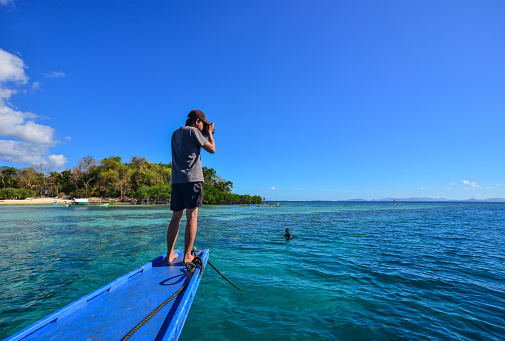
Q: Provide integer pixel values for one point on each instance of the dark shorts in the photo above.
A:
(186, 195)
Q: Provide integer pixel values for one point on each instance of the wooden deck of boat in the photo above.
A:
(110, 312)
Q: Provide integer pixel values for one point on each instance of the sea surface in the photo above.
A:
(355, 271)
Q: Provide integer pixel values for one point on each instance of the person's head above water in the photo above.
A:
(288, 234)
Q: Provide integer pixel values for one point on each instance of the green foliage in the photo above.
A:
(7, 177)
(209, 174)
(139, 180)
(217, 190)
(16, 193)
(159, 194)
(65, 183)
(213, 195)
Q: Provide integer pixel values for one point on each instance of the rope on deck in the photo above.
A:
(197, 260)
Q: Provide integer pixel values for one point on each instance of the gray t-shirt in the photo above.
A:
(186, 163)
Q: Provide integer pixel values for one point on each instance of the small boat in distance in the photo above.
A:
(85, 202)
(269, 205)
(151, 302)
(81, 202)
(395, 204)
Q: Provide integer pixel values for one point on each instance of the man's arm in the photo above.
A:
(211, 145)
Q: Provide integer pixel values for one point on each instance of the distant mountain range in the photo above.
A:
(400, 200)
(431, 200)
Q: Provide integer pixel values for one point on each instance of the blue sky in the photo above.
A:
(312, 100)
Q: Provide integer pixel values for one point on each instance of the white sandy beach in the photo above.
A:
(51, 201)
(31, 201)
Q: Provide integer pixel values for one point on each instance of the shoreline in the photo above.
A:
(52, 201)
(43, 201)
(31, 201)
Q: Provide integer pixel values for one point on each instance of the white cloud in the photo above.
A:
(422, 188)
(35, 86)
(30, 153)
(473, 184)
(55, 74)
(452, 184)
(6, 2)
(27, 141)
(271, 188)
(12, 68)
(6, 93)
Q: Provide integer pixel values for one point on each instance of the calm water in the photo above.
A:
(356, 271)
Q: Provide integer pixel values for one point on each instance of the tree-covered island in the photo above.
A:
(139, 182)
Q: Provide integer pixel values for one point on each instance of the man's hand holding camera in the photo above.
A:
(208, 129)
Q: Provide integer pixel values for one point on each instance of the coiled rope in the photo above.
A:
(196, 261)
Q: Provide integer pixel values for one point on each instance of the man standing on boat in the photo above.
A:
(187, 180)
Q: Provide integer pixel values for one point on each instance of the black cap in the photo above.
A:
(197, 114)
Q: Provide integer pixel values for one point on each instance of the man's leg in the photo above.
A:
(172, 232)
(190, 233)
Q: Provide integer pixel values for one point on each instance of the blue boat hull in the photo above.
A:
(112, 311)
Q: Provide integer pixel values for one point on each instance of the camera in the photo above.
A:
(205, 131)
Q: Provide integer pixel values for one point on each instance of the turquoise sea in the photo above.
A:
(355, 271)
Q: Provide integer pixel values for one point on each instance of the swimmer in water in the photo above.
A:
(288, 234)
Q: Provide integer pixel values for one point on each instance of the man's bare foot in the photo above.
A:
(188, 258)
(171, 258)
(190, 266)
